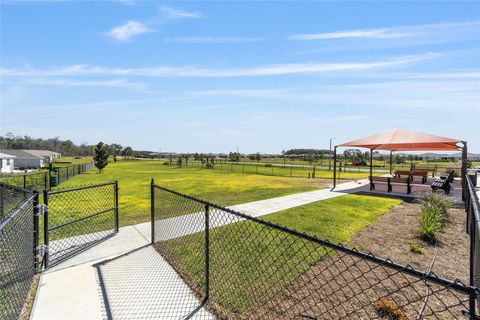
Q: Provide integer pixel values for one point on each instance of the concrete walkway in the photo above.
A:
(120, 278)
(124, 277)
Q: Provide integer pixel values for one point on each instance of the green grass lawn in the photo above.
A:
(225, 188)
(298, 172)
(251, 262)
(72, 160)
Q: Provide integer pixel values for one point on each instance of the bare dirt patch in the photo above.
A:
(391, 237)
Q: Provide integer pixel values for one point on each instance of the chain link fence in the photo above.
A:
(472, 208)
(18, 242)
(41, 180)
(78, 218)
(241, 267)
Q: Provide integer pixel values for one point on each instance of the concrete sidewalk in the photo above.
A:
(124, 277)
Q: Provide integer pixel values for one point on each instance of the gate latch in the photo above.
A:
(41, 209)
(41, 250)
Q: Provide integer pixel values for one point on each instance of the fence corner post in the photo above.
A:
(207, 252)
(36, 230)
(152, 211)
(45, 229)
(116, 206)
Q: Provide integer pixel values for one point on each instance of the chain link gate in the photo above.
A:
(76, 219)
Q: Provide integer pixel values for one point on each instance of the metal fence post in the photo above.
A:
(24, 181)
(45, 180)
(45, 229)
(152, 210)
(116, 205)
(207, 252)
(67, 172)
(35, 230)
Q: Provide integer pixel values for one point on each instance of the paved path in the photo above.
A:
(120, 278)
(124, 277)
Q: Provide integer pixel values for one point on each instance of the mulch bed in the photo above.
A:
(345, 287)
(391, 236)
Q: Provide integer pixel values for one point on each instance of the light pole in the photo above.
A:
(330, 154)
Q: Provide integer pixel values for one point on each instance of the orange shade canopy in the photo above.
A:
(404, 140)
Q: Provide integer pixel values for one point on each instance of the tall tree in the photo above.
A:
(101, 156)
(127, 152)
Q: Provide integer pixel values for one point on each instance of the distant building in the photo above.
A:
(24, 160)
(447, 157)
(6, 163)
(47, 155)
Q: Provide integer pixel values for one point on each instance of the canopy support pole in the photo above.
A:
(334, 167)
(391, 160)
(464, 170)
(371, 165)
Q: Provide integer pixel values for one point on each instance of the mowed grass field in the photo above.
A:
(247, 255)
(224, 188)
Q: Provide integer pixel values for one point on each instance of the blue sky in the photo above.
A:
(266, 76)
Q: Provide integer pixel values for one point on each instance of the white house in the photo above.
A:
(6, 163)
(47, 155)
(24, 160)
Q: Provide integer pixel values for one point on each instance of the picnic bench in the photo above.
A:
(420, 173)
(400, 173)
(390, 181)
(413, 173)
(443, 183)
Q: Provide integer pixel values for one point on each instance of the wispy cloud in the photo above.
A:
(400, 94)
(112, 83)
(175, 13)
(439, 30)
(190, 71)
(129, 30)
(374, 33)
(213, 40)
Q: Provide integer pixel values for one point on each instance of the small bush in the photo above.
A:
(389, 309)
(431, 223)
(416, 248)
(438, 201)
(166, 163)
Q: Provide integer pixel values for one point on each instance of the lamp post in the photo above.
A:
(330, 154)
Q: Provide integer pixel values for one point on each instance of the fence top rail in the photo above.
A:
(11, 187)
(428, 276)
(90, 186)
(17, 210)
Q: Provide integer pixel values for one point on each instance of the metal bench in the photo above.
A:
(443, 184)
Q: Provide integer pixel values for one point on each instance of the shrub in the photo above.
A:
(431, 223)
(439, 201)
(166, 163)
(416, 248)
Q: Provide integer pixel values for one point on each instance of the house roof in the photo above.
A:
(42, 153)
(19, 154)
(6, 156)
(403, 140)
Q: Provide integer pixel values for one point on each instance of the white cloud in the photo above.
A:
(175, 13)
(413, 34)
(112, 83)
(375, 33)
(418, 94)
(211, 40)
(128, 30)
(191, 71)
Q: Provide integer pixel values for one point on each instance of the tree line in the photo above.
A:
(65, 147)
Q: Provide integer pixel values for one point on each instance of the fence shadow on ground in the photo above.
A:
(140, 284)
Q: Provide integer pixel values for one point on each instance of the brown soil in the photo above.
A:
(343, 286)
(391, 237)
